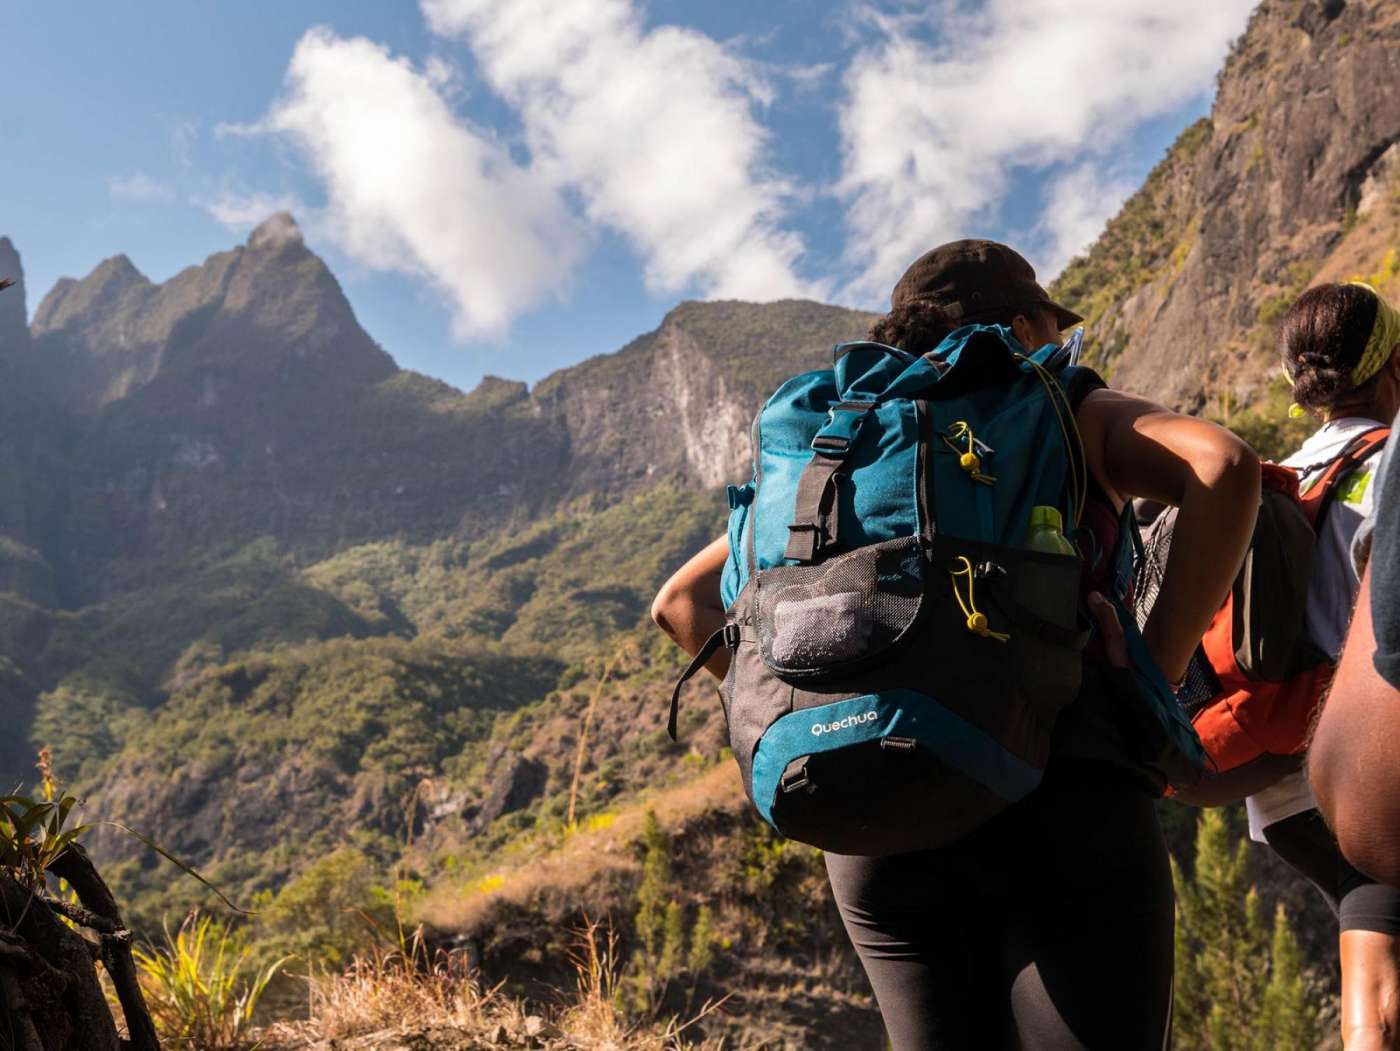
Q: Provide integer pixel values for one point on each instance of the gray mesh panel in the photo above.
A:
(813, 619)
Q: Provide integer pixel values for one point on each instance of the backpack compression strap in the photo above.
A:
(726, 636)
(1322, 492)
(815, 522)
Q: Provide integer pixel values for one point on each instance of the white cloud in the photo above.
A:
(1077, 205)
(241, 211)
(941, 108)
(412, 188)
(655, 129)
(184, 134)
(137, 187)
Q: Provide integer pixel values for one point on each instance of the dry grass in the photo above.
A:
(381, 991)
(586, 861)
(399, 1000)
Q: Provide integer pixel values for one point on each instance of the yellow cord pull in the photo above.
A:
(976, 619)
(969, 461)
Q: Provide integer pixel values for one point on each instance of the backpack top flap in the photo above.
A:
(976, 391)
(994, 400)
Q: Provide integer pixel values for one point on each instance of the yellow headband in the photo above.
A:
(1385, 333)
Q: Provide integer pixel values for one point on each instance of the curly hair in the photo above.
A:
(1321, 340)
(919, 325)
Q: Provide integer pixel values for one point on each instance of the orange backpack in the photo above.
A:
(1255, 683)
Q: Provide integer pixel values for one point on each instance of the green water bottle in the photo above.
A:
(1047, 532)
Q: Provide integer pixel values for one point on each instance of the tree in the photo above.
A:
(666, 945)
(1237, 986)
(1290, 1014)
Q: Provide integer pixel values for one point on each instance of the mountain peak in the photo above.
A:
(275, 231)
(119, 268)
(270, 308)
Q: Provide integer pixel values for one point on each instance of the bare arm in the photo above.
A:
(688, 607)
(1137, 448)
(1351, 762)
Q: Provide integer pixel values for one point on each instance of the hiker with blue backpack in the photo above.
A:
(908, 614)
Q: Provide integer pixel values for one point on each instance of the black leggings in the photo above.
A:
(1050, 927)
(1358, 901)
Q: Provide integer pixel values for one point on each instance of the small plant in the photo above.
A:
(196, 989)
(33, 834)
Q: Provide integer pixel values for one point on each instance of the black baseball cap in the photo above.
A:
(972, 281)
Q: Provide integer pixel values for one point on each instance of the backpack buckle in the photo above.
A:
(797, 781)
(843, 421)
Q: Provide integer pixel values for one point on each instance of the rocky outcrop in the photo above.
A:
(14, 324)
(1252, 205)
(678, 402)
(514, 784)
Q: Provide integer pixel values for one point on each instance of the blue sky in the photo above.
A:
(509, 186)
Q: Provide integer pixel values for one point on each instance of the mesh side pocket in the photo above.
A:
(1156, 547)
(833, 616)
(1200, 686)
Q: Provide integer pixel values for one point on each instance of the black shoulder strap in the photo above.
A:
(1079, 381)
(815, 523)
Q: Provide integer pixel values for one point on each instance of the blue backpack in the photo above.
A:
(898, 656)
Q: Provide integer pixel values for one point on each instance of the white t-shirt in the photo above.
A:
(1331, 590)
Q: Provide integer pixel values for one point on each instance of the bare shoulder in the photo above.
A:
(1106, 406)
(1136, 447)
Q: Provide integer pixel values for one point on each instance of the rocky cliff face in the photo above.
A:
(678, 403)
(14, 325)
(1290, 181)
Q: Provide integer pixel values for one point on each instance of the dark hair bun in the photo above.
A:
(1322, 338)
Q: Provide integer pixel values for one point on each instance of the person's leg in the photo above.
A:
(1304, 842)
(1370, 951)
(1369, 917)
(924, 945)
(1090, 947)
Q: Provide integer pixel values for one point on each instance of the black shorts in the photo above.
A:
(1358, 901)
(1050, 927)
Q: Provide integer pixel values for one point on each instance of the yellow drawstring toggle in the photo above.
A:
(969, 461)
(976, 619)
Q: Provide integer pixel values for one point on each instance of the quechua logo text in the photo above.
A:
(844, 724)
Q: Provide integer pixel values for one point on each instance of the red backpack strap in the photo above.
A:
(1323, 491)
